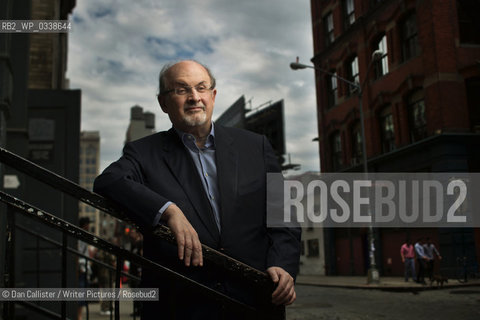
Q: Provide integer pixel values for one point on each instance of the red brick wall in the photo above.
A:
(440, 69)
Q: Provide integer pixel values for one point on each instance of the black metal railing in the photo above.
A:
(258, 281)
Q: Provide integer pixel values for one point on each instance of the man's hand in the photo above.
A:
(284, 294)
(189, 246)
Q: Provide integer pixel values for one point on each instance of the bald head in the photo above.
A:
(172, 66)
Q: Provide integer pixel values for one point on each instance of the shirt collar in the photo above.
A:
(190, 142)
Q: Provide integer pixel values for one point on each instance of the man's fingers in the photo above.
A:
(293, 298)
(284, 293)
(189, 245)
(197, 254)
(180, 244)
(273, 275)
(286, 296)
(188, 251)
(283, 290)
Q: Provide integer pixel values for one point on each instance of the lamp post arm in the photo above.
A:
(296, 66)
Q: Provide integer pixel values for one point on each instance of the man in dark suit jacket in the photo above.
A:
(208, 184)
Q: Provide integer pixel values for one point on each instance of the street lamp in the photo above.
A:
(373, 275)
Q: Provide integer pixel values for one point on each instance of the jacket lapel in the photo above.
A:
(182, 167)
(227, 173)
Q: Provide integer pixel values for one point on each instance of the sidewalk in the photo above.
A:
(386, 283)
(126, 309)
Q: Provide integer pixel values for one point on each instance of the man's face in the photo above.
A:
(194, 109)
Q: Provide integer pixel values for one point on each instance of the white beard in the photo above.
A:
(195, 119)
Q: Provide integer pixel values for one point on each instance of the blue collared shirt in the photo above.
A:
(419, 250)
(204, 160)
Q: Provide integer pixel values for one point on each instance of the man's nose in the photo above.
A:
(193, 95)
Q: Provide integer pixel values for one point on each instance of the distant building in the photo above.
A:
(141, 124)
(89, 169)
(312, 256)
(267, 120)
(421, 102)
(40, 121)
(48, 51)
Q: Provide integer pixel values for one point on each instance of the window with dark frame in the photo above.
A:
(328, 27)
(409, 37)
(469, 21)
(313, 248)
(353, 74)
(387, 130)
(336, 147)
(375, 2)
(332, 89)
(349, 9)
(381, 65)
(417, 118)
(357, 148)
(473, 101)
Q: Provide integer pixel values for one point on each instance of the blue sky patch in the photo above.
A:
(113, 71)
(100, 12)
(166, 49)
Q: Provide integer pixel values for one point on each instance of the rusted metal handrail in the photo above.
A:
(259, 280)
(92, 239)
(212, 256)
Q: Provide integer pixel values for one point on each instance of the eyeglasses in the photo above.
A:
(181, 91)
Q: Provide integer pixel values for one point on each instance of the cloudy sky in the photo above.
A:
(117, 48)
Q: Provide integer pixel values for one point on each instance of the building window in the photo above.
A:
(357, 148)
(352, 69)
(373, 3)
(381, 66)
(468, 21)
(416, 112)
(91, 150)
(332, 89)
(336, 147)
(473, 101)
(328, 26)
(313, 248)
(349, 9)
(387, 130)
(410, 47)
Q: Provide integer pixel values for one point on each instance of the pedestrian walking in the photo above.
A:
(430, 251)
(407, 252)
(422, 260)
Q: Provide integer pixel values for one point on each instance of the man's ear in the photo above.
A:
(162, 102)
(214, 94)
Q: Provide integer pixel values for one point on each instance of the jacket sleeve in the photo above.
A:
(284, 250)
(123, 183)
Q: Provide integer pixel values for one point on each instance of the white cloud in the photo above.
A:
(118, 47)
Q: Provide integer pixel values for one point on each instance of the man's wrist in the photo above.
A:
(161, 212)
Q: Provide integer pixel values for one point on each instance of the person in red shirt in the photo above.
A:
(407, 252)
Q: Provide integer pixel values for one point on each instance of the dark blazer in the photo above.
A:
(158, 168)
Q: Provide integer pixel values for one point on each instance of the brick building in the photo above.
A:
(421, 102)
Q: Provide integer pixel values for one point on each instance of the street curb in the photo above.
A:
(390, 288)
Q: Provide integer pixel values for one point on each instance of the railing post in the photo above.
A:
(37, 261)
(110, 304)
(9, 273)
(64, 271)
(118, 276)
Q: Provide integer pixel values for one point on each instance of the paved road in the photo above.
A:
(322, 303)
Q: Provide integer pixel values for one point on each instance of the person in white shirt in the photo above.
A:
(430, 251)
(422, 260)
